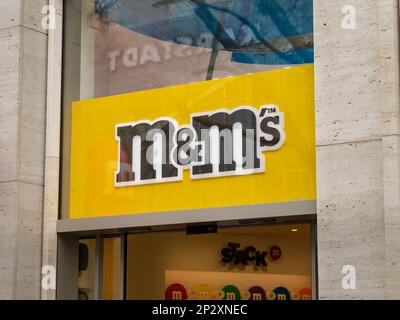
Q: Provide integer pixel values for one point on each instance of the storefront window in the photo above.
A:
(112, 286)
(87, 264)
(122, 46)
(101, 273)
(192, 107)
(238, 263)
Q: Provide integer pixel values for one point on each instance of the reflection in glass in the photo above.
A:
(112, 268)
(121, 46)
(86, 280)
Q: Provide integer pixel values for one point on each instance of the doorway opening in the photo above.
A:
(246, 261)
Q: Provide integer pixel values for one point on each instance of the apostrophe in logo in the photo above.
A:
(216, 143)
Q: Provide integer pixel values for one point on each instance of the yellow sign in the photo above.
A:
(235, 141)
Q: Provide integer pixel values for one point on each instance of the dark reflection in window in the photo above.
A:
(259, 31)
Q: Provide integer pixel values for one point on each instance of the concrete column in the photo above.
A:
(357, 112)
(53, 142)
(23, 71)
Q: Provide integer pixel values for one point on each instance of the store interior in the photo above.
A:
(259, 262)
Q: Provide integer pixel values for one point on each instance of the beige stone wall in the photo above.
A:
(23, 65)
(357, 112)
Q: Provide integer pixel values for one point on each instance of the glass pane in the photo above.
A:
(86, 280)
(123, 46)
(112, 269)
(257, 263)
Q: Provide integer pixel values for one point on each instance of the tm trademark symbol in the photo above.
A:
(267, 110)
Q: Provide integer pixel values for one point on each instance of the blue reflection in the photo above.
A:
(258, 31)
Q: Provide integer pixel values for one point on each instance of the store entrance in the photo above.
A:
(202, 262)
